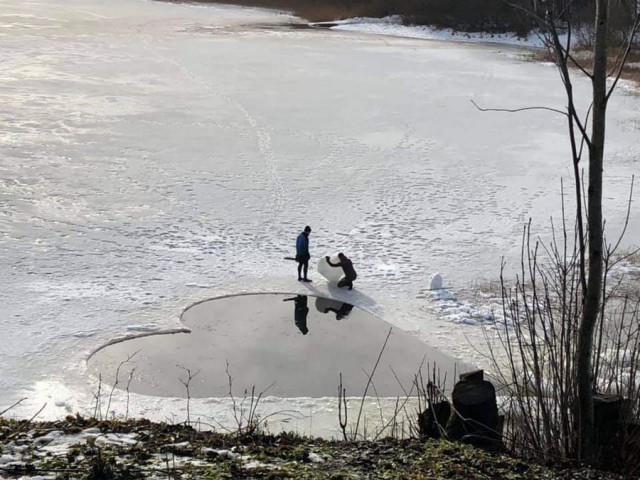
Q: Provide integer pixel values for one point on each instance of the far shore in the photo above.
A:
(327, 15)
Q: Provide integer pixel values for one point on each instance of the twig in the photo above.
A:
(25, 425)
(115, 383)
(342, 400)
(126, 415)
(12, 406)
(370, 379)
(629, 45)
(515, 110)
(97, 408)
(187, 384)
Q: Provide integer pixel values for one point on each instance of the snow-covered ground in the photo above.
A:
(154, 154)
(393, 26)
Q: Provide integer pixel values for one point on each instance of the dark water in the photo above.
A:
(295, 345)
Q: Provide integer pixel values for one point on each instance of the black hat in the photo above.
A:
(307, 228)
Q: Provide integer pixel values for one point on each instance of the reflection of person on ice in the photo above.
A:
(347, 267)
(302, 254)
(300, 312)
(341, 312)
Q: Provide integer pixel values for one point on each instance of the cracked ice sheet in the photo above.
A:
(154, 155)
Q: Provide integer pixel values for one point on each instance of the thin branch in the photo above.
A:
(375, 391)
(567, 48)
(370, 378)
(398, 380)
(25, 425)
(584, 138)
(187, 384)
(578, 66)
(342, 401)
(117, 380)
(626, 218)
(622, 63)
(515, 110)
(12, 406)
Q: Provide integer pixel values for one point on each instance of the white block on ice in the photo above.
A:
(332, 274)
(435, 281)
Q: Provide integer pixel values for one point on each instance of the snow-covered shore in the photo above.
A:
(393, 26)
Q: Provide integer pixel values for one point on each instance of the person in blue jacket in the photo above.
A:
(302, 254)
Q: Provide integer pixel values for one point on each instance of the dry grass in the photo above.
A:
(631, 71)
(632, 68)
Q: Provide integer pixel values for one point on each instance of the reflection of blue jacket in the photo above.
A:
(302, 245)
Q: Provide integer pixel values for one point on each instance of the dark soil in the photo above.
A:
(91, 449)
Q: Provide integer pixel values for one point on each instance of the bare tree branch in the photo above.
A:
(634, 30)
(626, 218)
(577, 65)
(515, 110)
(375, 367)
(12, 406)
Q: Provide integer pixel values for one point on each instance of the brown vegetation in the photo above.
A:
(630, 72)
(464, 15)
(95, 450)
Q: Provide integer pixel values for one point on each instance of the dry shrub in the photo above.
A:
(534, 356)
(622, 14)
(630, 71)
(632, 74)
(493, 16)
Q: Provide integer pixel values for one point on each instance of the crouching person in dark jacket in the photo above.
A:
(347, 267)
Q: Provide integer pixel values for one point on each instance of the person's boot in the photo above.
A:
(307, 280)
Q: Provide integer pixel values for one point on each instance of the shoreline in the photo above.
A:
(393, 25)
(80, 447)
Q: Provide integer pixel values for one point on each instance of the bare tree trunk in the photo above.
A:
(594, 210)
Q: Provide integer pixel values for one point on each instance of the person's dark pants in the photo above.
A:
(303, 265)
(346, 282)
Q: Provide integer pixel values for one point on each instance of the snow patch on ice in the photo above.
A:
(445, 305)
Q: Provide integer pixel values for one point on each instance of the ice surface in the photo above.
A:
(157, 154)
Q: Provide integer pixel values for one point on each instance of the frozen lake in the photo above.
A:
(153, 155)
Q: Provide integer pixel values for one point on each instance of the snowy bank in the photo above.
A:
(393, 26)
